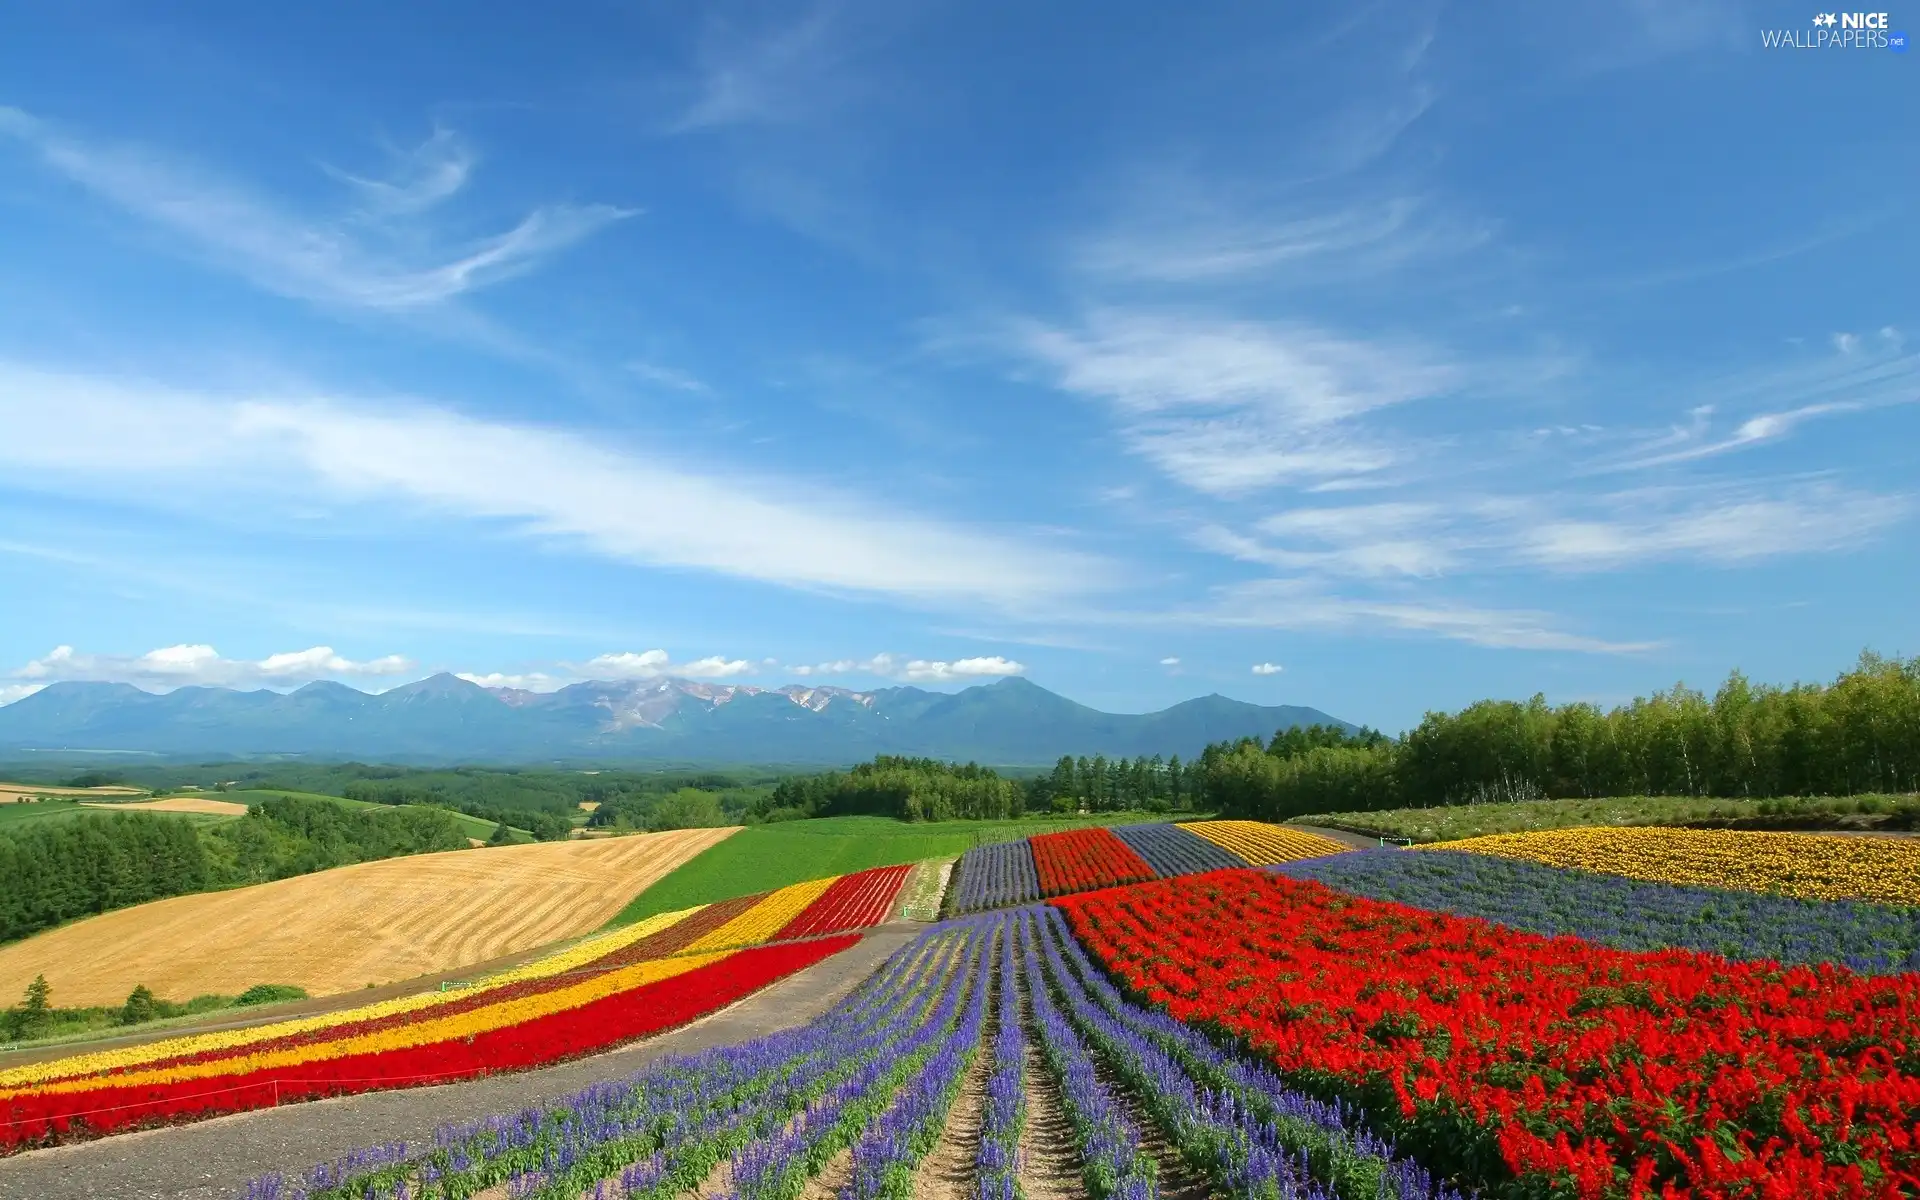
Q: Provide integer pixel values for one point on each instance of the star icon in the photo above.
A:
(1825, 19)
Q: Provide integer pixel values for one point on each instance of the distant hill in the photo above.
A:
(446, 718)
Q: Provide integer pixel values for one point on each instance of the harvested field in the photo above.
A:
(343, 929)
(10, 792)
(172, 804)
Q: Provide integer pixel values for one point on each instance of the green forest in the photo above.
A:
(1859, 734)
(61, 871)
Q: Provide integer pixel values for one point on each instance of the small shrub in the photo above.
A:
(272, 993)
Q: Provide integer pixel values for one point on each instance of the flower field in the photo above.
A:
(1079, 860)
(1259, 844)
(611, 988)
(1057, 864)
(853, 1103)
(1531, 1066)
(1811, 866)
(1627, 913)
(1176, 850)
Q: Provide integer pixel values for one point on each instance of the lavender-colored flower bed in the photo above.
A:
(995, 877)
(1171, 850)
(1629, 913)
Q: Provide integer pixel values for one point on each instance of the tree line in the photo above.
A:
(1858, 734)
(56, 872)
(911, 789)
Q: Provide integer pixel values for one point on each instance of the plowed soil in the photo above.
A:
(343, 929)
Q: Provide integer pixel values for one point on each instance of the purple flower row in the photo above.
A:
(998, 1165)
(1171, 850)
(996, 876)
(1631, 914)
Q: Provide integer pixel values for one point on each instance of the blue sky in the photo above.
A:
(1373, 357)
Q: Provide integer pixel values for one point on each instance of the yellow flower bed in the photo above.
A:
(1262, 844)
(113, 1060)
(415, 1033)
(1808, 865)
(766, 918)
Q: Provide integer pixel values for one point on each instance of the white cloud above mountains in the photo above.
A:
(201, 665)
(186, 665)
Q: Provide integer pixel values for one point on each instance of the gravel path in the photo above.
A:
(213, 1160)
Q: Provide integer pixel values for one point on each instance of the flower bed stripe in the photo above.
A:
(1629, 914)
(764, 919)
(1079, 859)
(1809, 865)
(854, 901)
(994, 875)
(170, 1049)
(605, 1022)
(484, 1019)
(1171, 850)
(1261, 844)
(682, 934)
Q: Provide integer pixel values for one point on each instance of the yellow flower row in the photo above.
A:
(1810, 866)
(766, 918)
(468, 1024)
(1261, 844)
(573, 956)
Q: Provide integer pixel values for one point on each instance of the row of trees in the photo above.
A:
(1096, 785)
(911, 789)
(1859, 734)
(55, 872)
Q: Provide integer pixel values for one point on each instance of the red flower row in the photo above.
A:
(1080, 859)
(593, 1027)
(1540, 1066)
(854, 901)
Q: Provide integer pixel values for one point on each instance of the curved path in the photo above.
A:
(213, 1160)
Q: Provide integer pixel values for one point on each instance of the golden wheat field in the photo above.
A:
(10, 792)
(340, 930)
(173, 804)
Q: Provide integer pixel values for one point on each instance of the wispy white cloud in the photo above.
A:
(200, 664)
(639, 504)
(1229, 406)
(1267, 668)
(916, 670)
(1169, 661)
(528, 681)
(1720, 523)
(775, 75)
(10, 692)
(422, 176)
(336, 262)
(668, 377)
(653, 664)
(1295, 604)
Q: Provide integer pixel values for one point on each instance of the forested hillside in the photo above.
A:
(1859, 734)
(59, 872)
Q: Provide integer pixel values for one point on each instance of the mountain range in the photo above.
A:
(446, 719)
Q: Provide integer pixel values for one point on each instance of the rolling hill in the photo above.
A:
(445, 718)
(338, 930)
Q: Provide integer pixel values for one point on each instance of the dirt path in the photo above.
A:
(838, 1173)
(1358, 841)
(947, 1172)
(1049, 1156)
(213, 1160)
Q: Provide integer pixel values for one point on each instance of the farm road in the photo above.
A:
(213, 1160)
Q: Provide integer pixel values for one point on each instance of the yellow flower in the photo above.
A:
(414, 1033)
(766, 918)
(1810, 866)
(1261, 844)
